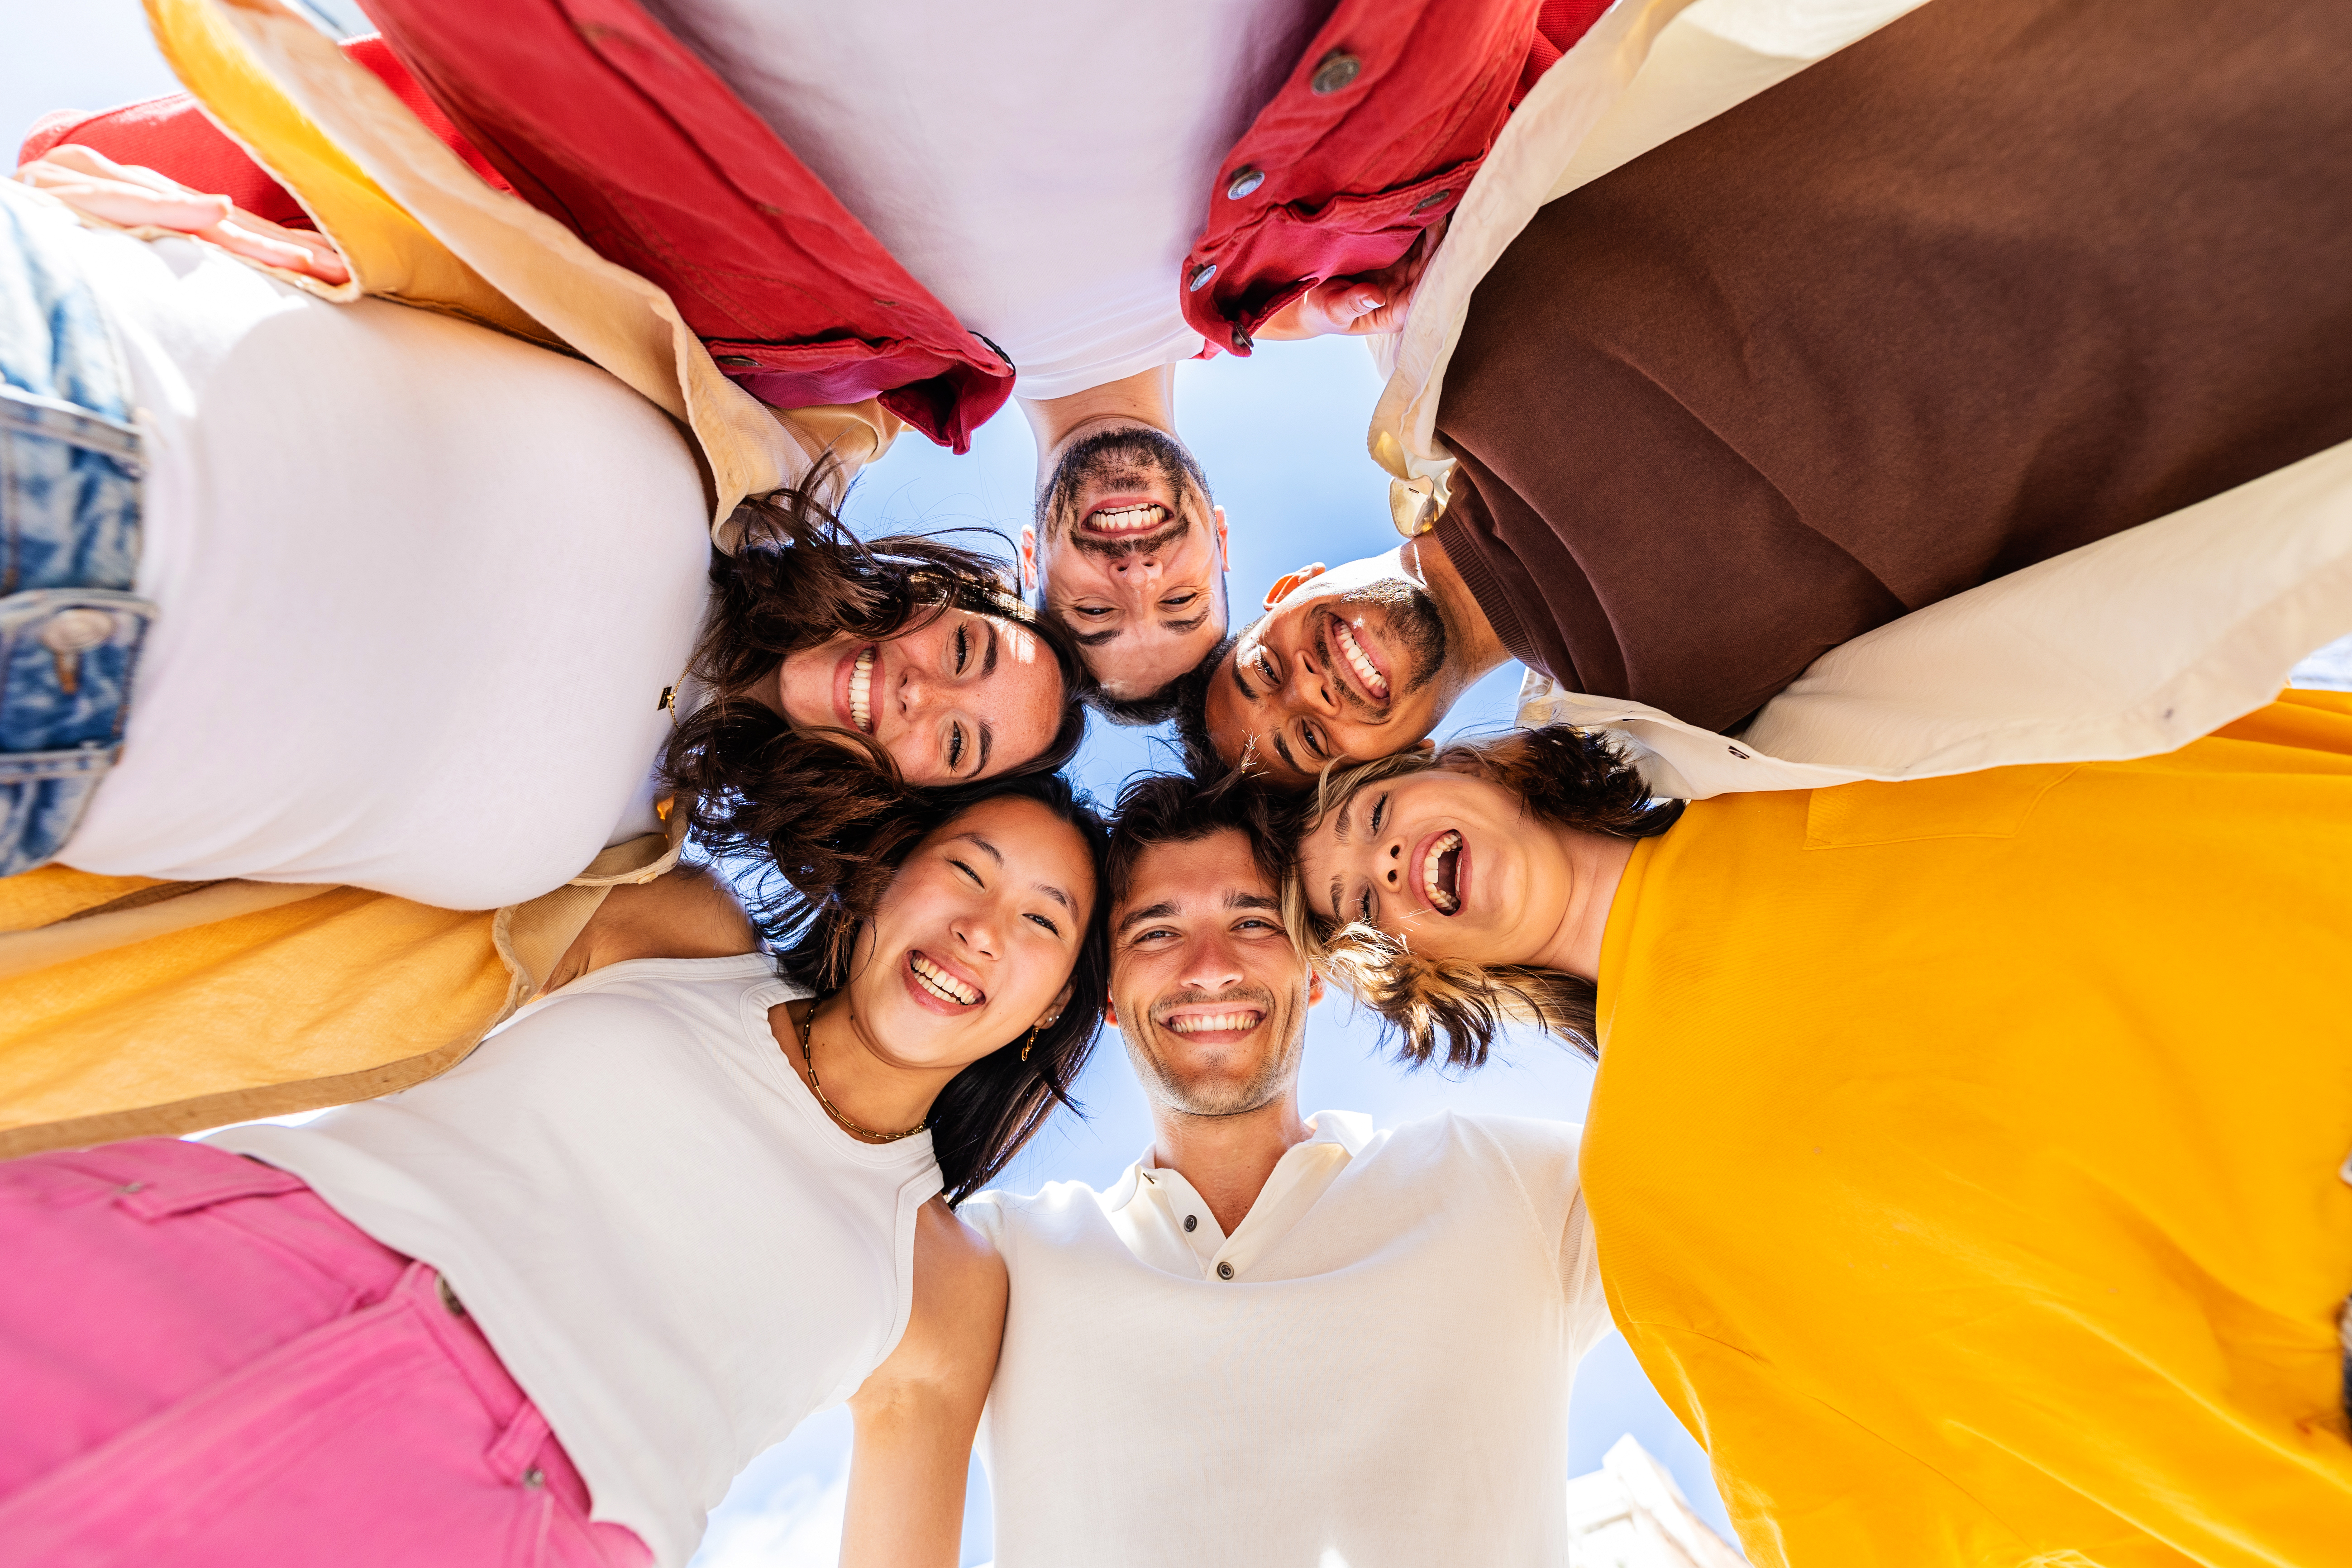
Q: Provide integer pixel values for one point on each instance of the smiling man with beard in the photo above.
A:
(1127, 549)
(1276, 1339)
(1359, 661)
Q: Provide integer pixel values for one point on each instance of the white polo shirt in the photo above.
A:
(1372, 1369)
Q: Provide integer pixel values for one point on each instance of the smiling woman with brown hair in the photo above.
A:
(553, 1300)
(843, 673)
(1963, 1154)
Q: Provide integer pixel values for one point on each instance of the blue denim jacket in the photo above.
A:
(70, 628)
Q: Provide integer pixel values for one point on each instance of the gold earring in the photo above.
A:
(1032, 1040)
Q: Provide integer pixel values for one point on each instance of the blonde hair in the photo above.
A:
(1573, 777)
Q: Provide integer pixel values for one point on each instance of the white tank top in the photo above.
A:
(420, 586)
(1041, 166)
(1385, 1385)
(675, 1252)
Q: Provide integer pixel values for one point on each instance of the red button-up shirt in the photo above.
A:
(593, 113)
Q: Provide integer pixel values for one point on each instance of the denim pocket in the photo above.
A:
(68, 496)
(68, 657)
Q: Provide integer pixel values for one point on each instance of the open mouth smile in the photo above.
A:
(1441, 872)
(1124, 518)
(1232, 1021)
(861, 690)
(853, 688)
(1359, 662)
(937, 982)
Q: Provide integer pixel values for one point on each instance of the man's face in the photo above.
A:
(1351, 663)
(1130, 555)
(1206, 988)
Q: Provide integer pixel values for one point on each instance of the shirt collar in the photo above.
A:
(1351, 1130)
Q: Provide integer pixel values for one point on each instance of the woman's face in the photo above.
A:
(965, 697)
(975, 940)
(1457, 867)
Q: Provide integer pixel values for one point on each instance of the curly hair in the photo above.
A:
(1570, 777)
(756, 783)
(995, 1105)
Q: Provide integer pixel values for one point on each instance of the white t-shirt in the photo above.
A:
(1373, 1369)
(1041, 166)
(675, 1252)
(419, 588)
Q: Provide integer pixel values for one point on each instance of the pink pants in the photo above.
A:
(203, 1364)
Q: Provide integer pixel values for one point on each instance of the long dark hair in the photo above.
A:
(995, 1105)
(1575, 778)
(756, 784)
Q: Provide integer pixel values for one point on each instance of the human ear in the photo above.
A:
(1289, 581)
(1053, 1013)
(1028, 558)
(1224, 547)
(1110, 1014)
(1314, 987)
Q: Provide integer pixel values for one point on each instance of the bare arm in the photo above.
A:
(685, 914)
(916, 1414)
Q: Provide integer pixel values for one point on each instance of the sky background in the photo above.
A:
(1281, 437)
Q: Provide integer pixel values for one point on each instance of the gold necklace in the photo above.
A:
(808, 1021)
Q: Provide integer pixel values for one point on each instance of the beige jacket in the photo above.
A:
(2130, 647)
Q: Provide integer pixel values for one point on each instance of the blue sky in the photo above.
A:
(1282, 438)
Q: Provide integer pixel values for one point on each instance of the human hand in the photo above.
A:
(1355, 306)
(131, 197)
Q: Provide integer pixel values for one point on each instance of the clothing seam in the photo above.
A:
(1534, 1217)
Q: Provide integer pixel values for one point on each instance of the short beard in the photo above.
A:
(1134, 456)
(1218, 1098)
(1417, 625)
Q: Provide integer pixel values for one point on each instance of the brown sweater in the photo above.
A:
(2002, 278)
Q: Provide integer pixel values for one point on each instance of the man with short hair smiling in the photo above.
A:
(1227, 1357)
(1127, 549)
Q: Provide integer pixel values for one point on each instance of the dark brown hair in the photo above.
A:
(996, 1104)
(1174, 808)
(756, 783)
(1575, 778)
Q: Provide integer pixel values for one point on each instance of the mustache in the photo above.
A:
(1180, 524)
(1123, 456)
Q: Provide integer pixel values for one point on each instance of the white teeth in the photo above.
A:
(1205, 1023)
(1128, 518)
(941, 983)
(861, 692)
(1439, 898)
(1366, 671)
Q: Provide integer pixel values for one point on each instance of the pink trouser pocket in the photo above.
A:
(205, 1365)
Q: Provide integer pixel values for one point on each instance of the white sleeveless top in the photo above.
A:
(1382, 1382)
(675, 1252)
(420, 585)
